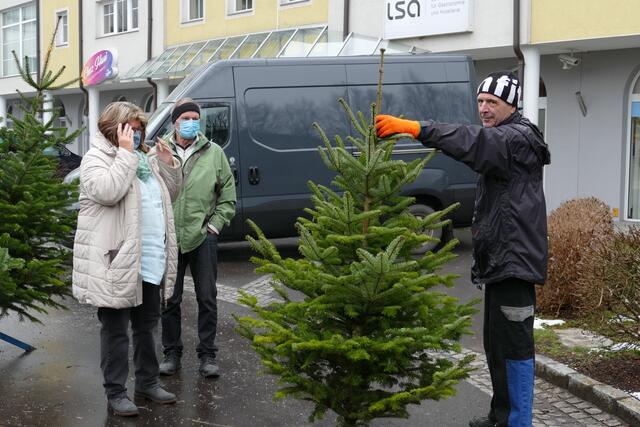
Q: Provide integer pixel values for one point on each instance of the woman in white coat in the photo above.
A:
(125, 252)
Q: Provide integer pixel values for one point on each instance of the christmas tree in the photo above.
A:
(361, 331)
(34, 203)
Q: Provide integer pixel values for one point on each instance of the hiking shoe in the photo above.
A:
(170, 365)
(122, 406)
(482, 422)
(208, 367)
(156, 394)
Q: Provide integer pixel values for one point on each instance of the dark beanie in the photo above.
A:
(504, 85)
(183, 108)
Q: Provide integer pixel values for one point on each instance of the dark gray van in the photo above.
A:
(261, 112)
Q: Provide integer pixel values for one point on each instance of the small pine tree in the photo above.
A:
(367, 334)
(34, 204)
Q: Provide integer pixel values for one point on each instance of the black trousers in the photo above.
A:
(204, 269)
(508, 344)
(114, 343)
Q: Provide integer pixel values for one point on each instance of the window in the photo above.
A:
(19, 35)
(134, 13)
(286, 2)
(108, 18)
(62, 36)
(119, 16)
(633, 150)
(148, 103)
(238, 6)
(192, 10)
(122, 15)
(269, 110)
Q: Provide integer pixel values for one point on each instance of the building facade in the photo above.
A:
(581, 77)
(129, 34)
(581, 62)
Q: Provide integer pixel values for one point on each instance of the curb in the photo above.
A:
(605, 397)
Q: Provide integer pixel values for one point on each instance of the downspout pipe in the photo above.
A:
(38, 35)
(516, 41)
(345, 20)
(85, 103)
(150, 50)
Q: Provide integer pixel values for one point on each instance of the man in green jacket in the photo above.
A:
(205, 205)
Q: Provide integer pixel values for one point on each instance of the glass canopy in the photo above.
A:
(179, 61)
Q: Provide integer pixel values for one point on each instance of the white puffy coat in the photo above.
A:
(107, 247)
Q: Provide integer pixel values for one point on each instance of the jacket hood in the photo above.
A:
(101, 143)
(540, 147)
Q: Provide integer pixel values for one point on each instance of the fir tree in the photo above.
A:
(34, 203)
(362, 331)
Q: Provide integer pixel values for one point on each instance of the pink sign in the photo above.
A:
(100, 67)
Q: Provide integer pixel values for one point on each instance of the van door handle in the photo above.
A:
(254, 175)
(235, 175)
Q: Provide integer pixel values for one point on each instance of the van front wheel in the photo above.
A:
(442, 234)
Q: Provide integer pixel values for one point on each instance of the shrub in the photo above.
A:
(617, 274)
(576, 229)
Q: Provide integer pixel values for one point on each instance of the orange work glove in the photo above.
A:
(389, 125)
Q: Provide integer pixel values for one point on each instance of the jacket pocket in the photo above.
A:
(110, 255)
(517, 314)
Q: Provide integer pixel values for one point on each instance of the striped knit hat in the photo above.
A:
(504, 85)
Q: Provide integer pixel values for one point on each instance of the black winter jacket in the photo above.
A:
(509, 226)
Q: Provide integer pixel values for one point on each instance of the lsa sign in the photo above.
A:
(403, 8)
(100, 67)
(416, 18)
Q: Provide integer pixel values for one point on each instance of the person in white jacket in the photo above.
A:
(125, 252)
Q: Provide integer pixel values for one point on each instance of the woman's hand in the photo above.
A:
(164, 152)
(125, 137)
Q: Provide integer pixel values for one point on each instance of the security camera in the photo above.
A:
(568, 61)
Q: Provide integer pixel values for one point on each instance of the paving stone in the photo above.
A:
(578, 415)
(557, 373)
(582, 385)
(574, 337)
(602, 417)
(629, 410)
(606, 396)
(583, 405)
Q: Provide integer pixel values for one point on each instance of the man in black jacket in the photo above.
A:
(509, 233)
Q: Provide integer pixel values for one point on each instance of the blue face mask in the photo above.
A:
(137, 138)
(189, 128)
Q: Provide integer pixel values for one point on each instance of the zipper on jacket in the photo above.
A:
(163, 298)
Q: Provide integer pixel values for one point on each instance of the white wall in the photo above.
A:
(589, 153)
(135, 96)
(335, 19)
(131, 46)
(72, 105)
(157, 27)
(492, 27)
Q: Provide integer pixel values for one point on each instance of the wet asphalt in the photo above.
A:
(60, 383)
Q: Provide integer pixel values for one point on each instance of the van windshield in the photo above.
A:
(157, 118)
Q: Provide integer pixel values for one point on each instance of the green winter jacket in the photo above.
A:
(208, 194)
